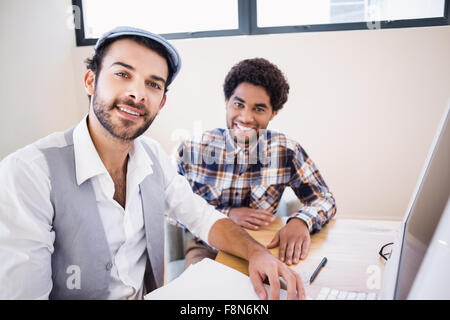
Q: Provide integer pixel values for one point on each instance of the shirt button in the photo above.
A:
(109, 266)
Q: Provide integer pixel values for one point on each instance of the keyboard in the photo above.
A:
(335, 294)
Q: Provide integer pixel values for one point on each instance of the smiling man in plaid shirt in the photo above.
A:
(244, 169)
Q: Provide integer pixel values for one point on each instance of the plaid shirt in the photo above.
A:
(227, 175)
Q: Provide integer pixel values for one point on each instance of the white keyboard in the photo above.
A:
(334, 294)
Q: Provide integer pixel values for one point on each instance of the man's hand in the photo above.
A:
(250, 218)
(229, 237)
(262, 266)
(294, 241)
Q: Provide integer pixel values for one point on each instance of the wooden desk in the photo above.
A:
(351, 247)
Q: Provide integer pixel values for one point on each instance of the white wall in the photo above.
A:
(364, 104)
(37, 83)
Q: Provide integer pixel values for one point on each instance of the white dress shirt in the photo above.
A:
(26, 214)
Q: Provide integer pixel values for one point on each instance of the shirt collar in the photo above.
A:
(88, 163)
(232, 148)
(139, 162)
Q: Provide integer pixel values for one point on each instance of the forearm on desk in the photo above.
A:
(231, 238)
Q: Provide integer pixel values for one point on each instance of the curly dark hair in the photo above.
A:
(259, 72)
(95, 62)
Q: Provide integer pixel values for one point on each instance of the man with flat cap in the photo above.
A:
(82, 211)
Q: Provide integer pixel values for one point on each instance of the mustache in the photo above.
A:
(131, 103)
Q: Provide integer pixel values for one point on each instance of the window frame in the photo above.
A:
(247, 16)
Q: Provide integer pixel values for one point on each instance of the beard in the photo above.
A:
(127, 131)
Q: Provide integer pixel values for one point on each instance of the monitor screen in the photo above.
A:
(425, 212)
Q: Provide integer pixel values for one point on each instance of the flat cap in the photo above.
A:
(173, 55)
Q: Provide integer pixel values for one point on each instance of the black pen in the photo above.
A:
(320, 266)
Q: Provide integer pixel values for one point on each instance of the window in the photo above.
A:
(169, 16)
(305, 12)
(205, 18)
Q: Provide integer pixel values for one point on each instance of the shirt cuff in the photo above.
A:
(305, 217)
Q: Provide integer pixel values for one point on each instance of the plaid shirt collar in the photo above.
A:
(232, 148)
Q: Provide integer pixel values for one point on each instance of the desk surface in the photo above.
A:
(351, 247)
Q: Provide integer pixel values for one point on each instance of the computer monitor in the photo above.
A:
(432, 280)
(422, 216)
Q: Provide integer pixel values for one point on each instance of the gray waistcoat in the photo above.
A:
(81, 248)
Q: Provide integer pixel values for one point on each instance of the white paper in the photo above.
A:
(209, 280)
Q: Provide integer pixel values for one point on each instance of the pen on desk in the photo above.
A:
(320, 266)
